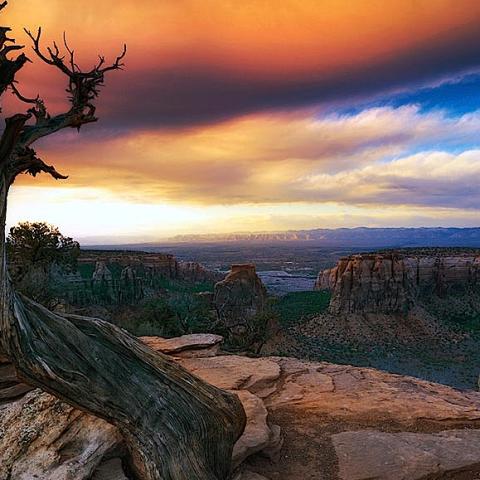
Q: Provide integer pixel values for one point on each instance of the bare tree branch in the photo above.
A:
(28, 162)
(39, 111)
(8, 67)
(83, 86)
(17, 93)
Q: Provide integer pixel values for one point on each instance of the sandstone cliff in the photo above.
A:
(115, 277)
(392, 282)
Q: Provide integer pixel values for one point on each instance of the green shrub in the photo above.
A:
(152, 317)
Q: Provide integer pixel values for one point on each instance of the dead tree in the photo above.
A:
(176, 426)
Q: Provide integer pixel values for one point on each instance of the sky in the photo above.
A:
(258, 116)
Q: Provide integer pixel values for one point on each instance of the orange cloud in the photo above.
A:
(255, 35)
(267, 159)
(220, 101)
(191, 61)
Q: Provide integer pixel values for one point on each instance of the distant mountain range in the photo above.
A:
(358, 237)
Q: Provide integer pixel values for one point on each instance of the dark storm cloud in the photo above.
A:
(186, 96)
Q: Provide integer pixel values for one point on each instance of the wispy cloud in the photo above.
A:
(361, 158)
(229, 111)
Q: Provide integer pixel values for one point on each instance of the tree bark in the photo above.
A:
(176, 426)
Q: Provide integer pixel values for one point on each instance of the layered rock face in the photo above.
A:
(128, 277)
(239, 298)
(148, 265)
(392, 282)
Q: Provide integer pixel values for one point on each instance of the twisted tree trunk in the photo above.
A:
(176, 426)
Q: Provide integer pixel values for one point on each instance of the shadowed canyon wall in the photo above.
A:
(393, 282)
(127, 277)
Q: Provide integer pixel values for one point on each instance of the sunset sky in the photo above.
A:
(259, 116)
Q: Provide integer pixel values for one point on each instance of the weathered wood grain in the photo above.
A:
(176, 426)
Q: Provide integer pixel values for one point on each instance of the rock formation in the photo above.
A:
(392, 282)
(101, 274)
(196, 272)
(367, 454)
(305, 420)
(42, 437)
(195, 344)
(150, 265)
(239, 298)
(127, 277)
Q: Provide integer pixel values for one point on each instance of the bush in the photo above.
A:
(37, 253)
(152, 317)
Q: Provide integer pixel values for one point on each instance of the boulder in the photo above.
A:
(258, 435)
(234, 372)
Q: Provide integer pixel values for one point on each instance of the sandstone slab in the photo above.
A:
(234, 372)
(257, 434)
(369, 395)
(196, 345)
(368, 454)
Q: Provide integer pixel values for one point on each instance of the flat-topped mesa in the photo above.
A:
(239, 297)
(391, 282)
